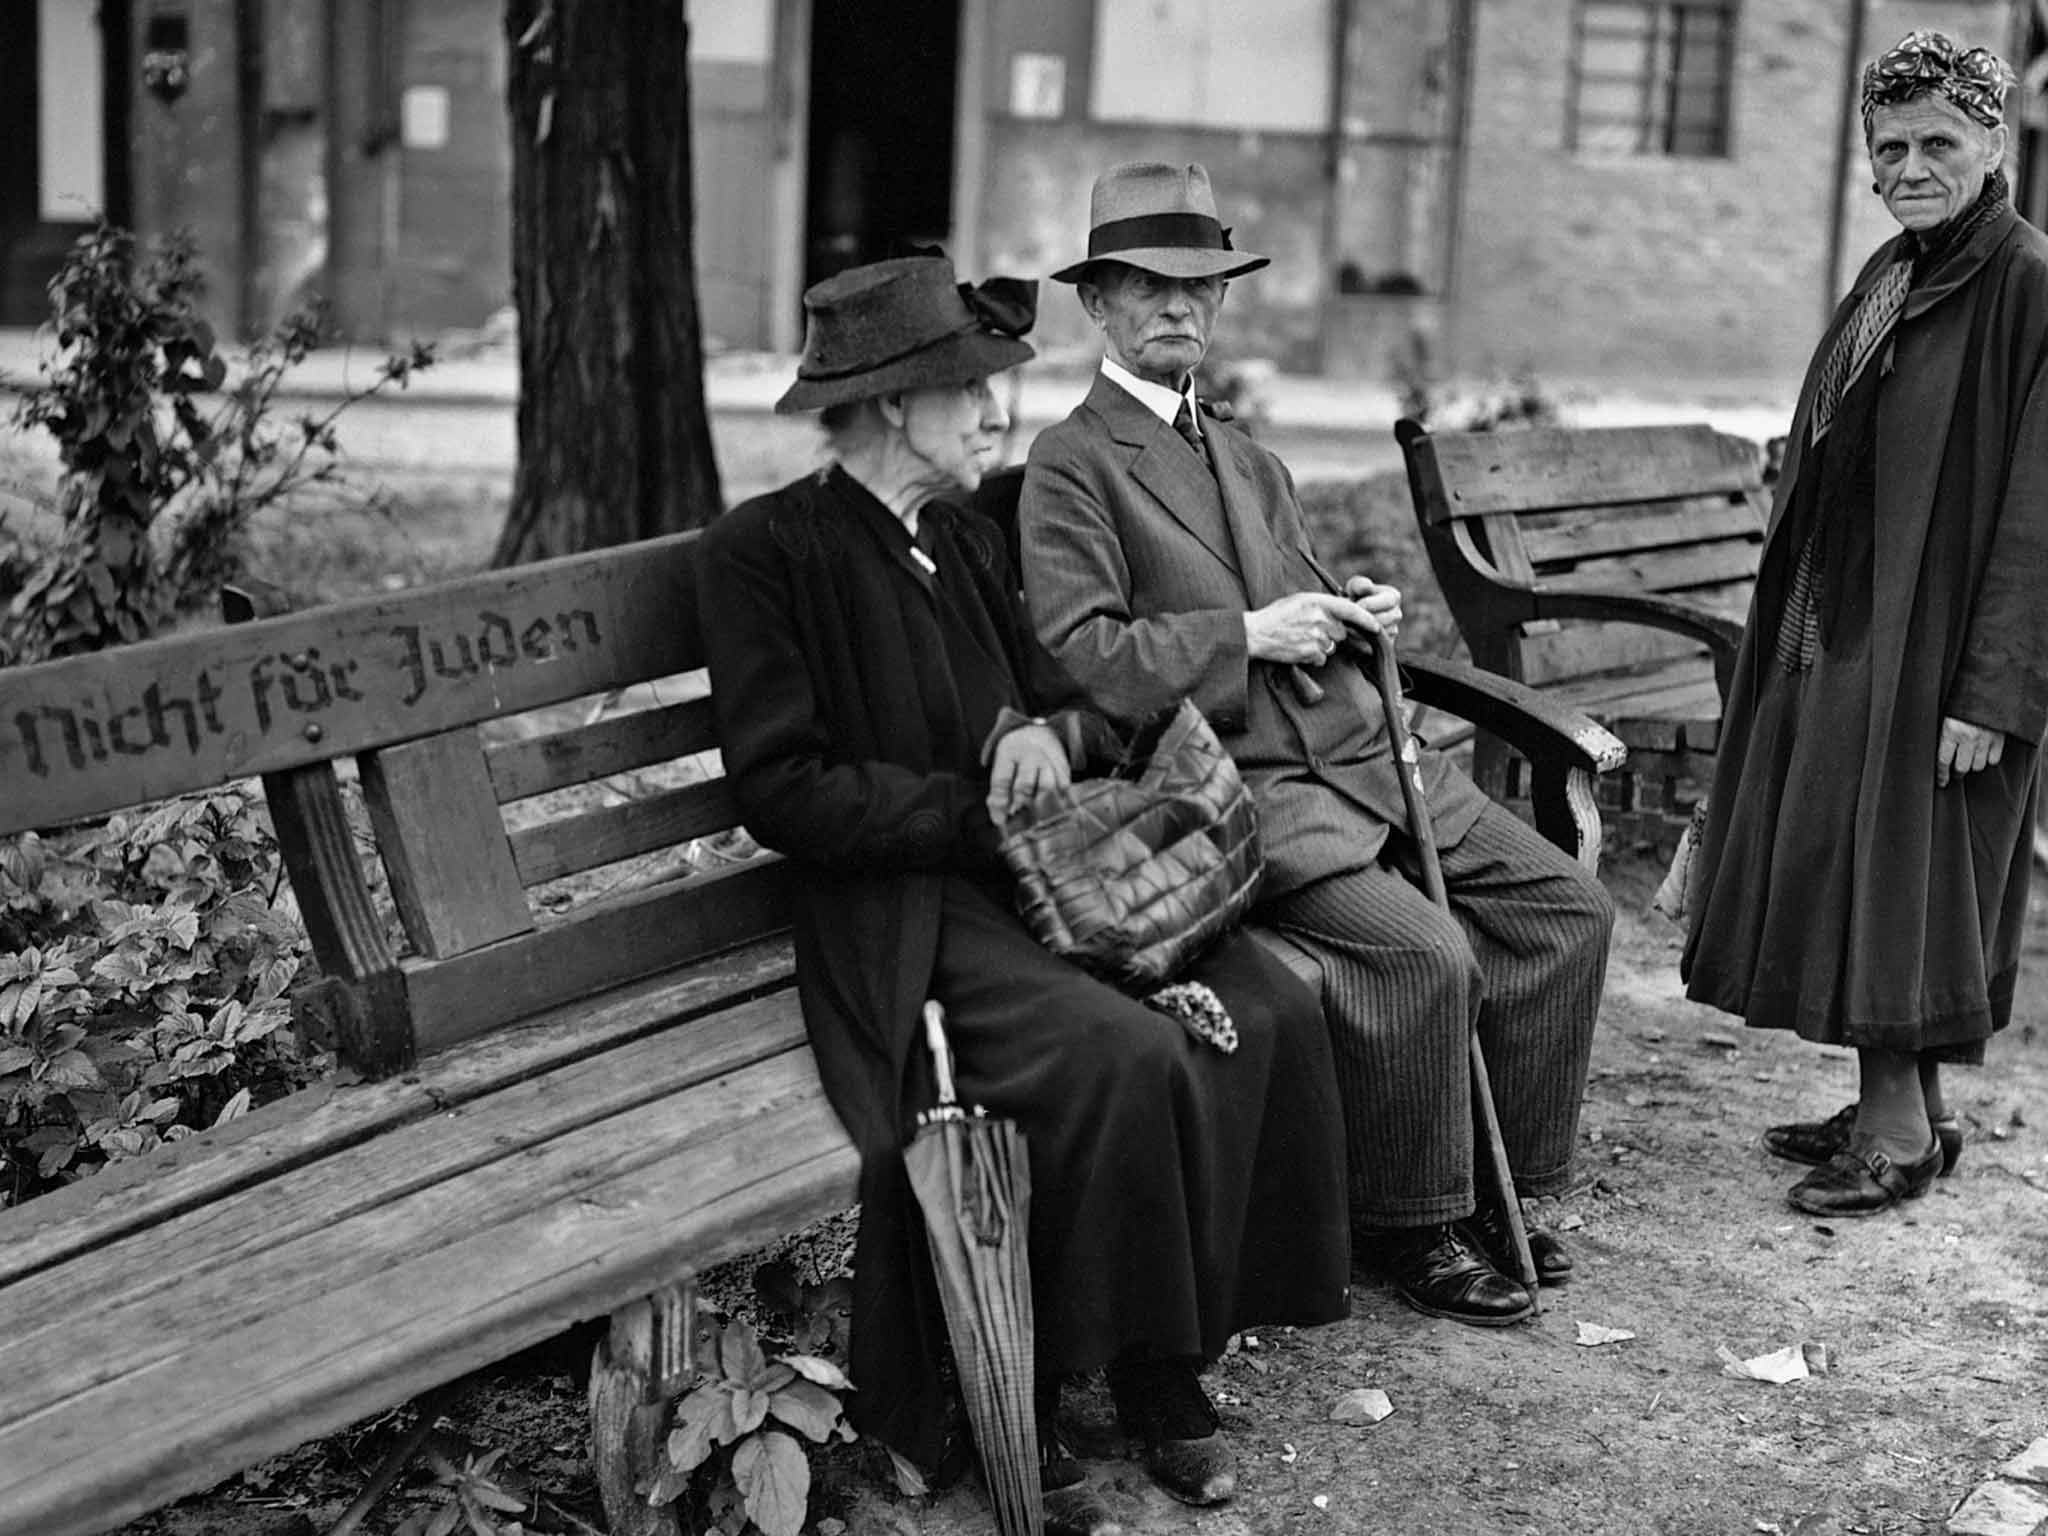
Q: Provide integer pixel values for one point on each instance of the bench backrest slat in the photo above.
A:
(93, 734)
(1541, 468)
(592, 838)
(607, 745)
(1582, 533)
(665, 925)
(452, 873)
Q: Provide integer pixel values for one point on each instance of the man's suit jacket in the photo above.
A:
(1139, 565)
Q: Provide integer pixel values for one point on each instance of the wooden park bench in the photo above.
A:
(560, 1114)
(1610, 568)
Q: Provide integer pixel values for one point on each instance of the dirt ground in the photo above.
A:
(1931, 1318)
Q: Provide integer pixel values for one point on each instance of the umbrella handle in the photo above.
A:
(942, 1053)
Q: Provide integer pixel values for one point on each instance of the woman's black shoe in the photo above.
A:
(1814, 1142)
(1440, 1271)
(1161, 1405)
(1072, 1507)
(1861, 1181)
(1553, 1260)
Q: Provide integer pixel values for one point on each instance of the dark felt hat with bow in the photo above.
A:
(906, 323)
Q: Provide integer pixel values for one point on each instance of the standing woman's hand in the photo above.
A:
(1027, 760)
(1965, 748)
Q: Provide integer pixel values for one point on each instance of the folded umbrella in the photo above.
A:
(973, 1181)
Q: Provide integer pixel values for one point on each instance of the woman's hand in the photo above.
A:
(1305, 627)
(1029, 759)
(1965, 748)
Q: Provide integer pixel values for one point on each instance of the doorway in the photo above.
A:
(63, 114)
(880, 152)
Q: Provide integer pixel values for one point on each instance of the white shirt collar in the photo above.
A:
(1157, 398)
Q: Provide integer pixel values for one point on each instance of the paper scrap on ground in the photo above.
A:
(1362, 1405)
(1778, 1367)
(1592, 1334)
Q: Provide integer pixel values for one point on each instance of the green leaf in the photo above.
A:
(823, 1372)
(703, 1422)
(72, 1069)
(749, 1409)
(808, 1407)
(774, 1480)
(15, 1058)
(234, 1109)
(740, 1359)
(125, 968)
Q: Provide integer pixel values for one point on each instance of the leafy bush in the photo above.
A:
(143, 972)
(123, 400)
(731, 1449)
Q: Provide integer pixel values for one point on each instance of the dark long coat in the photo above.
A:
(1931, 895)
(1178, 1193)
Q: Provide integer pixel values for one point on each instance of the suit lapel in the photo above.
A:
(1161, 463)
(1258, 549)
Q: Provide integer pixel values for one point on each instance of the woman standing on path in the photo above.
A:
(1862, 878)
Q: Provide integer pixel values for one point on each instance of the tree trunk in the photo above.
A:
(614, 443)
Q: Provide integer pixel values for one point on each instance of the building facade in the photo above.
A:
(1585, 188)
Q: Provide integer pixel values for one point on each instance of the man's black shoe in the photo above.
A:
(1438, 1270)
(1490, 1227)
(1161, 1405)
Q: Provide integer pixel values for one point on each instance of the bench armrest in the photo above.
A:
(1533, 723)
(1566, 750)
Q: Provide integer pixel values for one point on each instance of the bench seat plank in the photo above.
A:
(189, 1395)
(228, 1236)
(130, 1197)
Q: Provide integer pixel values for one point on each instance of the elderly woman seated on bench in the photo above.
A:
(867, 660)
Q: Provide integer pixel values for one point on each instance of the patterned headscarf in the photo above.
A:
(1925, 62)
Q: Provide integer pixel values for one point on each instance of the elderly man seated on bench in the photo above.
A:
(1165, 556)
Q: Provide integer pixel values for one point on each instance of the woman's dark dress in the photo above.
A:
(1843, 894)
(1178, 1193)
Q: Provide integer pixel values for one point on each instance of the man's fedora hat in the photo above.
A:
(906, 323)
(1160, 217)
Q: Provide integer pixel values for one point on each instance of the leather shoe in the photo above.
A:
(1438, 1270)
(1813, 1142)
(1861, 1181)
(1161, 1405)
(1489, 1226)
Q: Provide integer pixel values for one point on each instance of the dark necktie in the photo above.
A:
(1184, 424)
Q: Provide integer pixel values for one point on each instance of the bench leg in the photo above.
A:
(639, 1369)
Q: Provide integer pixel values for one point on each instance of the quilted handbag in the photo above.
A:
(1134, 875)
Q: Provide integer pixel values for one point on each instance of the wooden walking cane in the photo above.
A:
(1387, 674)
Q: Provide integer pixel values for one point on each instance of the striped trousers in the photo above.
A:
(1523, 952)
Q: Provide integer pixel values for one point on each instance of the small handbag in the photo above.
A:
(1132, 876)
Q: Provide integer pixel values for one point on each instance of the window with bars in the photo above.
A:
(1651, 77)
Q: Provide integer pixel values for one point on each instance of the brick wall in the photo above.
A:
(1656, 268)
